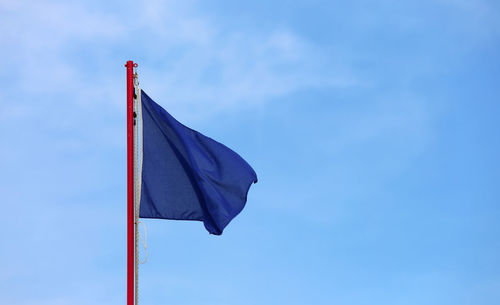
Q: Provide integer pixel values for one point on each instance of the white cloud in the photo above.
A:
(37, 36)
(190, 61)
(219, 68)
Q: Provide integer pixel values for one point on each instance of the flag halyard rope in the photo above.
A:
(137, 184)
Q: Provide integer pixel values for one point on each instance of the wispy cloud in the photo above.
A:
(193, 62)
(216, 68)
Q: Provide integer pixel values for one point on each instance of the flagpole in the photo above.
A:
(130, 182)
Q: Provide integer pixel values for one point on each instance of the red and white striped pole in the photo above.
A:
(130, 182)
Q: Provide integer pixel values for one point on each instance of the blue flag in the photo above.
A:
(188, 176)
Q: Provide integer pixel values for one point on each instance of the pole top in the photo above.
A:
(131, 64)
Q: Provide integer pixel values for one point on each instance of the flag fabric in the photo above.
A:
(188, 176)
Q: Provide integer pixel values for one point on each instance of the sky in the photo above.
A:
(372, 126)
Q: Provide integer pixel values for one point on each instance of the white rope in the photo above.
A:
(138, 183)
(139, 170)
(144, 242)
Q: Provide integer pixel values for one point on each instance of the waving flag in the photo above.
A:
(186, 175)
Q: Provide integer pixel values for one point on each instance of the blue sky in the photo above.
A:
(372, 125)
